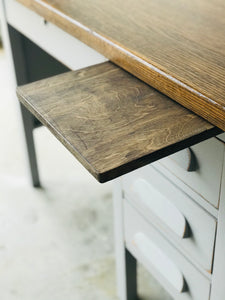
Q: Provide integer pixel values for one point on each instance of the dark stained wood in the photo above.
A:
(110, 120)
(175, 46)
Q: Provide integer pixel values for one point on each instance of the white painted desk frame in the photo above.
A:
(76, 55)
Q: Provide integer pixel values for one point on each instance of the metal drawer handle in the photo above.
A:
(166, 211)
(160, 261)
(186, 159)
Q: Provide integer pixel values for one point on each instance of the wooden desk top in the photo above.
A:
(175, 46)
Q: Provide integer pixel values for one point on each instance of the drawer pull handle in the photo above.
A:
(161, 207)
(186, 159)
(163, 264)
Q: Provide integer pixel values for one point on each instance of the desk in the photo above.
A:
(210, 154)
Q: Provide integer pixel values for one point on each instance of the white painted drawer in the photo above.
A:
(65, 48)
(187, 225)
(206, 179)
(221, 136)
(164, 262)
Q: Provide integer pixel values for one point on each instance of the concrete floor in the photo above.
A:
(55, 242)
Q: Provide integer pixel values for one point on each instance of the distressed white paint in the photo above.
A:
(206, 180)
(198, 284)
(199, 245)
(160, 261)
(183, 158)
(185, 188)
(218, 286)
(163, 208)
(221, 137)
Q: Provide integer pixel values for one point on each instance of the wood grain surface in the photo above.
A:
(175, 46)
(110, 120)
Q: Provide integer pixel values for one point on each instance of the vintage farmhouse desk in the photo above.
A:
(170, 214)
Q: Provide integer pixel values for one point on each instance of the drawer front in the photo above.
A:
(178, 276)
(221, 137)
(189, 227)
(205, 162)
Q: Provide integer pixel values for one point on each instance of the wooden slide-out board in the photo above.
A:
(111, 121)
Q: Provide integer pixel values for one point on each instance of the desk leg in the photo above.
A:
(131, 276)
(31, 63)
(125, 263)
(21, 72)
(28, 124)
(218, 286)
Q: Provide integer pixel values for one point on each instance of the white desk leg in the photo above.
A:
(125, 263)
(218, 286)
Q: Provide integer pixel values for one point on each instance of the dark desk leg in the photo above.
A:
(21, 72)
(28, 124)
(31, 63)
(131, 276)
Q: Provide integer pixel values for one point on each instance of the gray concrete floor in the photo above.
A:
(55, 242)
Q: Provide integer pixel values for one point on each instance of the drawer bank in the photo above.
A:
(114, 123)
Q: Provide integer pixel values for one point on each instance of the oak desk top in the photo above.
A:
(175, 46)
